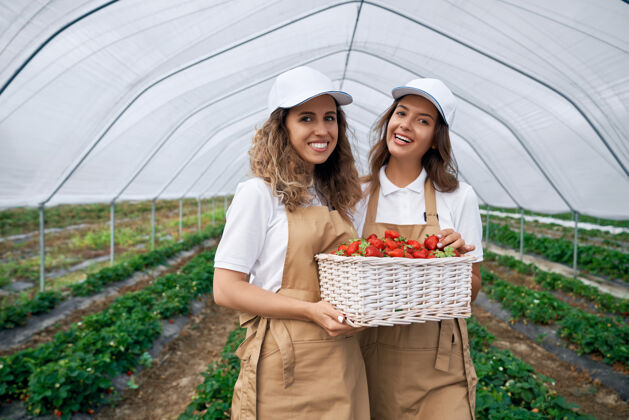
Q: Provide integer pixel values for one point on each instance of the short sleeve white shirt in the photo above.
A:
(457, 210)
(255, 237)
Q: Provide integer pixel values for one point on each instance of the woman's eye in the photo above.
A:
(423, 122)
(330, 118)
(400, 113)
(306, 118)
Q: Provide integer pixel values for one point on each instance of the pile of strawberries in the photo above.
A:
(394, 245)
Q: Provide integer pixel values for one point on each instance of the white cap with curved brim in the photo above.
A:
(301, 84)
(435, 91)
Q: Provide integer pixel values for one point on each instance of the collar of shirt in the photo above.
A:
(387, 187)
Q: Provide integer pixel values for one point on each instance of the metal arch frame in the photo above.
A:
(351, 43)
(94, 143)
(455, 132)
(209, 165)
(494, 116)
(200, 108)
(512, 67)
(203, 144)
(49, 39)
(277, 27)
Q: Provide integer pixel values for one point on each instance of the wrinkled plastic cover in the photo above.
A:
(141, 100)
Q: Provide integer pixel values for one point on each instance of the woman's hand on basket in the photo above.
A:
(332, 321)
(448, 237)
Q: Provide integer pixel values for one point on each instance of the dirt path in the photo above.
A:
(166, 389)
(575, 386)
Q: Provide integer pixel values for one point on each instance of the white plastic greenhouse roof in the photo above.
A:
(135, 99)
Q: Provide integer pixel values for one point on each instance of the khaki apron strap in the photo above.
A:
(431, 203)
(471, 379)
(287, 351)
(444, 351)
(372, 209)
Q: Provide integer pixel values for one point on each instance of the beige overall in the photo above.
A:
(293, 369)
(418, 371)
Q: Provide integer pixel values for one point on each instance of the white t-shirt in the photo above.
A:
(256, 235)
(457, 210)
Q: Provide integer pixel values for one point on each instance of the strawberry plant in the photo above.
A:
(16, 314)
(73, 372)
(554, 281)
(596, 260)
(607, 336)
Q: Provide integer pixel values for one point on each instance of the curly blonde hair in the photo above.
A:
(275, 160)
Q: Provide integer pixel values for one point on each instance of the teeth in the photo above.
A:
(404, 139)
(318, 145)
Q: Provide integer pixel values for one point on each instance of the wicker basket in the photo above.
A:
(373, 291)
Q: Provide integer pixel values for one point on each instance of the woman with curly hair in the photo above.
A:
(299, 357)
(420, 371)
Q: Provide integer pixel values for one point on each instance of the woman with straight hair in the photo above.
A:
(299, 359)
(422, 370)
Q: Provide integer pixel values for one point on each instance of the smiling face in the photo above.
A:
(313, 129)
(411, 128)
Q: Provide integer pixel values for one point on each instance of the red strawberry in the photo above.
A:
(456, 253)
(90, 411)
(372, 236)
(391, 234)
(372, 251)
(353, 247)
(414, 244)
(390, 243)
(397, 252)
(420, 253)
(378, 243)
(408, 254)
(431, 242)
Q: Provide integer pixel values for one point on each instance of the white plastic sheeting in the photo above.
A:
(130, 99)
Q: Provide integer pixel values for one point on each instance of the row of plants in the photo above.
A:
(22, 219)
(16, 313)
(555, 281)
(593, 259)
(588, 333)
(20, 259)
(586, 236)
(507, 387)
(564, 216)
(73, 373)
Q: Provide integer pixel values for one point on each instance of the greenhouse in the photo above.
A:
(125, 130)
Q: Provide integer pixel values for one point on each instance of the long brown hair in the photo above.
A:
(439, 163)
(275, 160)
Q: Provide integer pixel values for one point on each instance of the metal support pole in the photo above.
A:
(111, 232)
(521, 234)
(153, 224)
(576, 236)
(199, 212)
(487, 229)
(42, 250)
(180, 219)
(213, 211)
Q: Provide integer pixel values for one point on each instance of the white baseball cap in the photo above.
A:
(301, 84)
(435, 91)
